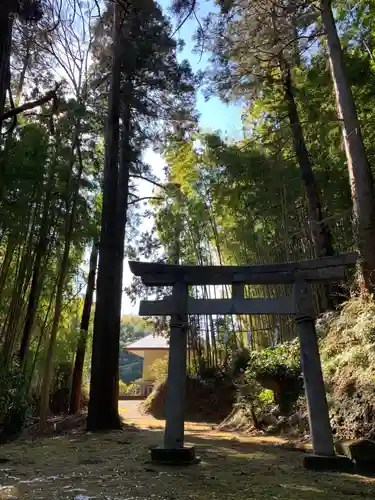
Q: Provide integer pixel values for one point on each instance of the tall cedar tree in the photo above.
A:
(147, 86)
(360, 175)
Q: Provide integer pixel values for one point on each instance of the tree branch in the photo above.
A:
(137, 200)
(191, 11)
(51, 94)
(136, 176)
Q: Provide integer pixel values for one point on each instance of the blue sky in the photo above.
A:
(214, 115)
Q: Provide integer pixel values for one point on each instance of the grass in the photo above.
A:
(348, 347)
(114, 466)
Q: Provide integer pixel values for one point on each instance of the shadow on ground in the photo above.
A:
(115, 466)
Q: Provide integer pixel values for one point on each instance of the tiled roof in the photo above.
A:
(149, 342)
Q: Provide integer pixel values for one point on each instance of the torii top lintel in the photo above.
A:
(316, 270)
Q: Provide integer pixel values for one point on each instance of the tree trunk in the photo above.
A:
(126, 156)
(22, 278)
(8, 257)
(69, 228)
(103, 405)
(75, 394)
(123, 187)
(6, 25)
(320, 233)
(42, 335)
(360, 175)
(35, 288)
(25, 64)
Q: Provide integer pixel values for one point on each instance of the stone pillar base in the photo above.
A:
(361, 452)
(334, 463)
(177, 456)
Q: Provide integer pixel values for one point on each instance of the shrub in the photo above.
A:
(276, 361)
(349, 345)
(267, 397)
(15, 403)
(128, 390)
(240, 361)
(348, 353)
(159, 369)
(278, 370)
(122, 388)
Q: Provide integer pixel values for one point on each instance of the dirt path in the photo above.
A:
(115, 466)
(131, 412)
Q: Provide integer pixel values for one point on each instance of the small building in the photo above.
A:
(150, 348)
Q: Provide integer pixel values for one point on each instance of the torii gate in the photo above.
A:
(300, 304)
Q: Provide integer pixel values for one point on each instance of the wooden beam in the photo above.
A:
(282, 305)
(199, 275)
(238, 290)
(167, 274)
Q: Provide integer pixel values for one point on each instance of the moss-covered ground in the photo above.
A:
(114, 466)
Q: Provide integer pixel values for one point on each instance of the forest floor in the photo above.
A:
(115, 466)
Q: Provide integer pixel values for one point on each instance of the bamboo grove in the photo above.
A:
(85, 88)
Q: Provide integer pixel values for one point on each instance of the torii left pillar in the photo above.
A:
(174, 451)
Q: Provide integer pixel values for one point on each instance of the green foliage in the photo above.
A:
(133, 328)
(348, 344)
(278, 370)
(266, 397)
(128, 389)
(16, 405)
(148, 67)
(347, 348)
(159, 369)
(279, 362)
(223, 202)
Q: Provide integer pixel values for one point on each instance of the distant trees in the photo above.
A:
(133, 328)
(81, 89)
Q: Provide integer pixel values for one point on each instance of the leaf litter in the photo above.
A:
(115, 466)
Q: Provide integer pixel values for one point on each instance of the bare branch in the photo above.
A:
(136, 176)
(137, 200)
(51, 94)
(191, 11)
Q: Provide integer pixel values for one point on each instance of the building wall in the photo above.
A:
(148, 358)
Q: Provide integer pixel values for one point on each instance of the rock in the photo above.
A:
(363, 449)
(275, 412)
(267, 420)
(362, 452)
(334, 463)
(296, 418)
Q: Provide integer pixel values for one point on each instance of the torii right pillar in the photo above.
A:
(324, 457)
